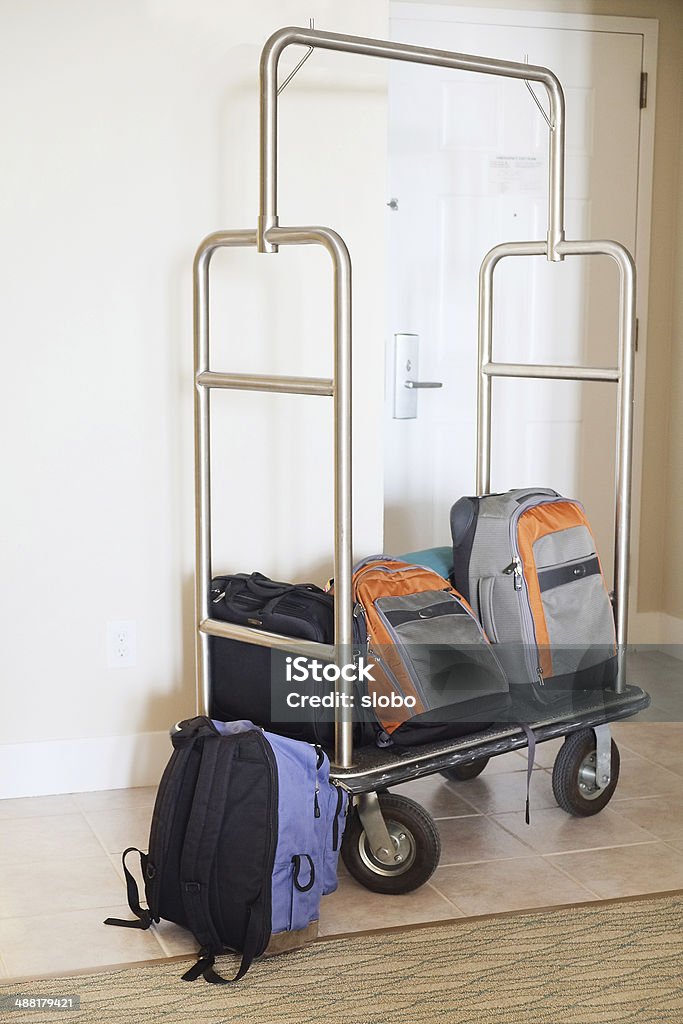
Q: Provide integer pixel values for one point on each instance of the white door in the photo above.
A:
(468, 169)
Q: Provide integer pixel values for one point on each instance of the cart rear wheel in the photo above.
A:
(463, 772)
(417, 848)
(574, 782)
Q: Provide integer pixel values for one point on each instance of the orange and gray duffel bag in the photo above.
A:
(527, 563)
(434, 673)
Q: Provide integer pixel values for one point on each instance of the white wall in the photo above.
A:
(131, 132)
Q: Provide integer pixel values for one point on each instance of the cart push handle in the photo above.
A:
(389, 50)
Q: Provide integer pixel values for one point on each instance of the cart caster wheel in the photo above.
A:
(463, 772)
(416, 842)
(574, 775)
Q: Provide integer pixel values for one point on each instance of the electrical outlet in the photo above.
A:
(121, 646)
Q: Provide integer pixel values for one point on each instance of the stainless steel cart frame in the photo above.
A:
(372, 771)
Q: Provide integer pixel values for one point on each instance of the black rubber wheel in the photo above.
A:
(416, 840)
(574, 775)
(463, 772)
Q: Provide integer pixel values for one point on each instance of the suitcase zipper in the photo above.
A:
(405, 657)
(515, 570)
(387, 671)
(319, 761)
(360, 615)
(335, 823)
(527, 619)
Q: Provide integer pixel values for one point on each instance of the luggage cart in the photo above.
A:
(392, 845)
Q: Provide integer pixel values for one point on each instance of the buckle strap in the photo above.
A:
(143, 915)
(206, 958)
(204, 962)
(531, 740)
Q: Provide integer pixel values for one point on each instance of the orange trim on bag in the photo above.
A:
(533, 524)
(371, 582)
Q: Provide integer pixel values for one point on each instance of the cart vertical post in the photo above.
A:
(622, 375)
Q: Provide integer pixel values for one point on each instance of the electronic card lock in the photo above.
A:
(406, 384)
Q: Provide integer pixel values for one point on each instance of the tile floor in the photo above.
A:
(60, 857)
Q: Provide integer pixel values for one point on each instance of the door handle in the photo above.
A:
(406, 372)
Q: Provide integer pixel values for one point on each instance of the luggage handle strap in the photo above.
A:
(524, 493)
(267, 590)
(256, 584)
(262, 586)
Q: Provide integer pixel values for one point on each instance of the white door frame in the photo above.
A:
(648, 28)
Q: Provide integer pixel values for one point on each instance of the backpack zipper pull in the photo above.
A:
(539, 673)
(514, 569)
(335, 822)
(319, 758)
(518, 575)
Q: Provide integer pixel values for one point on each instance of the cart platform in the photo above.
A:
(377, 768)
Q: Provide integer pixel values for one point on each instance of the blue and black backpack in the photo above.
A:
(244, 841)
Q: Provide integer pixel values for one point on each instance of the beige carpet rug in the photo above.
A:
(618, 963)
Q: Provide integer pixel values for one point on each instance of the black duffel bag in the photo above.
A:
(243, 675)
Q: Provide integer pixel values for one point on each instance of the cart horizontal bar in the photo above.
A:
(533, 371)
(261, 638)
(262, 382)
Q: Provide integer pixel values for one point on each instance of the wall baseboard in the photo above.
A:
(49, 767)
(657, 628)
(672, 633)
(644, 627)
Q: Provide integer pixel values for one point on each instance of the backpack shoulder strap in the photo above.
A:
(199, 851)
(201, 837)
(163, 822)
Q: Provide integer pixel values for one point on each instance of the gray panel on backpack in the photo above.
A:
(443, 648)
(576, 607)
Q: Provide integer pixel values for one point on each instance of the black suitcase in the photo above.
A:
(244, 676)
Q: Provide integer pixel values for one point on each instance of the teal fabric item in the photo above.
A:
(438, 559)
